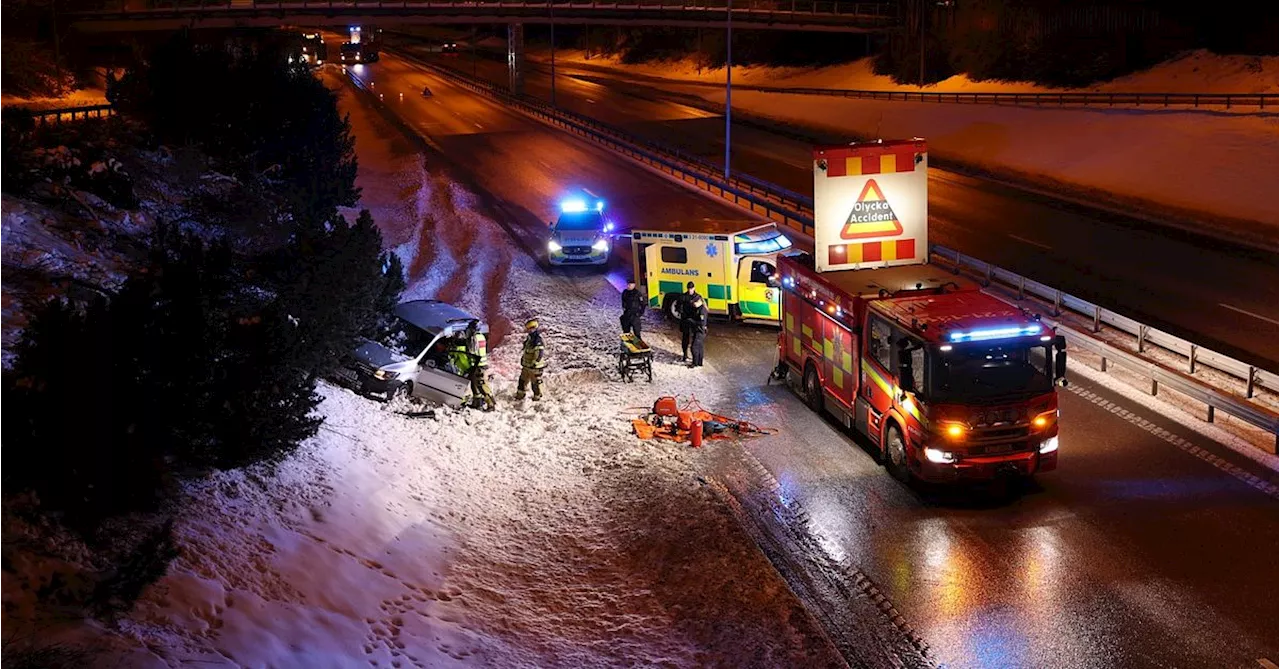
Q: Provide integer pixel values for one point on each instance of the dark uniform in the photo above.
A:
(532, 362)
(698, 330)
(633, 305)
(687, 312)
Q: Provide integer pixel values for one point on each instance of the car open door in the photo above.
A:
(441, 387)
(757, 294)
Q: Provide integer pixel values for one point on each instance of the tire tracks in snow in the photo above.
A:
(861, 622)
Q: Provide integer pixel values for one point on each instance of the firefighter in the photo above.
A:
(687, 313)
(633, 305)
(478, 362)
(532, 361)
(698, 330)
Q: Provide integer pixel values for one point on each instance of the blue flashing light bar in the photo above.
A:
(994, 333)
(771, 245)
(576, 206)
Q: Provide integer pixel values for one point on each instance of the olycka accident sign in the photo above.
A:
(870, 204)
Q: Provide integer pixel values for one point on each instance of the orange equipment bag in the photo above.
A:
(666, 406)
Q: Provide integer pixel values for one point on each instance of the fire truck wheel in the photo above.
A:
(812, 388)
(896, 455)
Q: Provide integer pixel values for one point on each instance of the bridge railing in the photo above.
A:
(50, 117)
(881, 12)
(1091, 99)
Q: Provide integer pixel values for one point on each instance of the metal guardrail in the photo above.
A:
(875, 12)
(757, 196)
(779, 204)
(1260, 100)
(57, 116)
(1232, 401)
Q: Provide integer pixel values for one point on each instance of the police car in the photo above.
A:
(581, 235)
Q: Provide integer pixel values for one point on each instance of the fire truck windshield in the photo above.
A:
(987, 371)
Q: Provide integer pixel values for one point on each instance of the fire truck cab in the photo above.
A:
(948, 383)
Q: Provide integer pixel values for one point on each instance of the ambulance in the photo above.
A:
(732, 264)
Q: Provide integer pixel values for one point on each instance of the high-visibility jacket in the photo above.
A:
(533, 355)
(478, 347)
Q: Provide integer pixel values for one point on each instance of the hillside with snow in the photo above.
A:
(543, 534)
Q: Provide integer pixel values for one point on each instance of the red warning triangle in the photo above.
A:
(871, 216)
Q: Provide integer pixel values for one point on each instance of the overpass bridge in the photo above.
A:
(797, 15)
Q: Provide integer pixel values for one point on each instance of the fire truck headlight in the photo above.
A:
(938, 456)
(953, 431)
(601, 245)
(1049, 445)
(553, 246)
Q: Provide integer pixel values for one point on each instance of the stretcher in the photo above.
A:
(634, 357)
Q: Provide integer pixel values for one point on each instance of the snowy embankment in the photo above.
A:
(1212, 165)
(543, 534)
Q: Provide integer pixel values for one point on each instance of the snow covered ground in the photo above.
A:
(543, 534)
(1214, 165)
(1191, 72)
(78, 98)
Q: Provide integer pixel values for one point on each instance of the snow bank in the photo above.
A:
(542, 534)
(1192, 72)
(82, 97)
(1217, 166)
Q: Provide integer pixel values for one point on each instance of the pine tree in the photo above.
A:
(331, 288)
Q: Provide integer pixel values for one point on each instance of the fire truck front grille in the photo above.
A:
(1000, 433)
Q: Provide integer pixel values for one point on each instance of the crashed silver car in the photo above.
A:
(422, 355)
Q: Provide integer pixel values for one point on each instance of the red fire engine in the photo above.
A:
(948, 383)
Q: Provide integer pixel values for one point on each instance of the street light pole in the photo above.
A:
(728, 83)
(551, 9)
(923, 4)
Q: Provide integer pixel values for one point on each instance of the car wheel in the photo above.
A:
(400, 393)
(812, 389)
(671, 307)
(896, 454)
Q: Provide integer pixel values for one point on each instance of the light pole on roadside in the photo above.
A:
(728, 83)
(551, 9)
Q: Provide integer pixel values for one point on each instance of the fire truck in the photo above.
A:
(948, 383)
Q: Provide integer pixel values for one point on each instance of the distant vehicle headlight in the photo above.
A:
(601, 245)
(553, 246)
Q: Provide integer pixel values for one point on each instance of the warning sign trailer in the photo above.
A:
(950, 383)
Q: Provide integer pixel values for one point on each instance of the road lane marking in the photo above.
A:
(1249, 313)
(1200, 453)
(1267, 664)
(590, 100)
(478, 126)
(1024, 240)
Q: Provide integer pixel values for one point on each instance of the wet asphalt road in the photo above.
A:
(1134, 553)
(1220, 296)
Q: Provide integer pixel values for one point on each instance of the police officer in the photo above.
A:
(478, 357)
(532, 361)
(698, 330)
(633, 305)
(686, 319)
